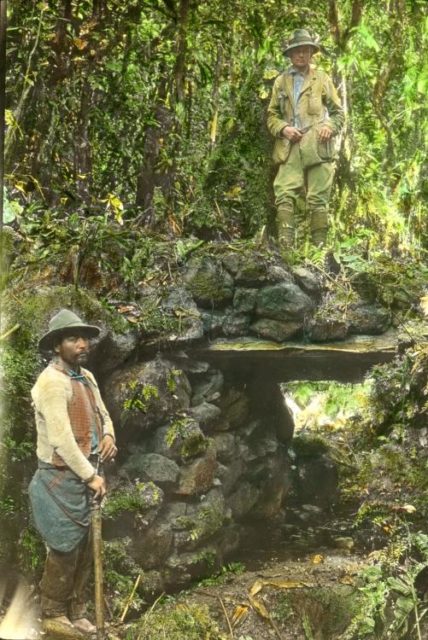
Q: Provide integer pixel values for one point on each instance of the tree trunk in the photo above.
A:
(82, 145)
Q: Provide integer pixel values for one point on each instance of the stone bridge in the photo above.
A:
(344, 361)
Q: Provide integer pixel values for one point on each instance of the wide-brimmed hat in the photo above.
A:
(62, 323)
(300, 38)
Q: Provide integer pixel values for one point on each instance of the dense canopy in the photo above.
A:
(152, 112)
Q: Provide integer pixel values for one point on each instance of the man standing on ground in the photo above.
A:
(304, 114)
(74, 433)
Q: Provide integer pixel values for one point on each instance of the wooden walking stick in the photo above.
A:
(97, 542)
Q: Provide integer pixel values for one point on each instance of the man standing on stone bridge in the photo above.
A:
(304, 115)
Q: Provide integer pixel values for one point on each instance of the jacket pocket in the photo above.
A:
(329, 150)
(325, 150)
(281, 151)
(315, 105)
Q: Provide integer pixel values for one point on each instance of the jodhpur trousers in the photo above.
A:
(291, 182)
(64, 581)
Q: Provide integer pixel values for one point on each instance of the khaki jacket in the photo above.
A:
(318, 105)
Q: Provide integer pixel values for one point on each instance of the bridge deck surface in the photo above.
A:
(344, 361)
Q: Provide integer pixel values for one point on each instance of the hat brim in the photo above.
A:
(302, 44)
(88, 330)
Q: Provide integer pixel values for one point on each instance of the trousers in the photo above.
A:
(291, 182)
(64, 581)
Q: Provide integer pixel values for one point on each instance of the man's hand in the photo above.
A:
(292, 134)
(325, 133)
(108, 449)
(98, 486)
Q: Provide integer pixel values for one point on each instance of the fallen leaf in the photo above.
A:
(240, 613)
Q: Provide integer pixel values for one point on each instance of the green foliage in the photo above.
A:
(171, 382)
(168, 105)
(175, 622)
(225, 575)
(120, 575)
(334, 398)
(190, 442)
(390, 604)
(142, 397)
(138, 498)
(208, 520)
(31, 551)
(7, 506)
(18, 451)
(396, 390)
(320, 612)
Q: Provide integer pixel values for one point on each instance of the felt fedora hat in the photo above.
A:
(300, 38)
(64, 322)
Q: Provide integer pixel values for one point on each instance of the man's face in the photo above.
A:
(73, 349)
(301, 56)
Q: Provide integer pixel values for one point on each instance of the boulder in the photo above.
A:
(225, 444)
(369, 319)
(180, 304)
(152, 466)
(234, 406)
(284, 301)
(229, 474)
(207, 387)
(244, 300)
(114, 350)
(198, 476)
(276, 330)
(182, 439)
(316, 480)
(212, 323)
(202, 521)
(143, 396)
(208, 282)
(254, 269)
(243, 500)
(327, 329)
(152, 548)
(182, 568)
(235, 324)
(206, 414)
(307, 281)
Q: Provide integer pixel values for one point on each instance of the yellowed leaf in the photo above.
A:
(317, 559)
(257, 586)
(240, 613)
(80, 44)
(260, 608)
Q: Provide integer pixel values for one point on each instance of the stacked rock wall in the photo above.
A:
(202, 451)
(199, 455)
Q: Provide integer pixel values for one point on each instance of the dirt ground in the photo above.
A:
(302, 599)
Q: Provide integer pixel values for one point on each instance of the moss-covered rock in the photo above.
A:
(284, 301)
(208, 282)
(145, 396)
